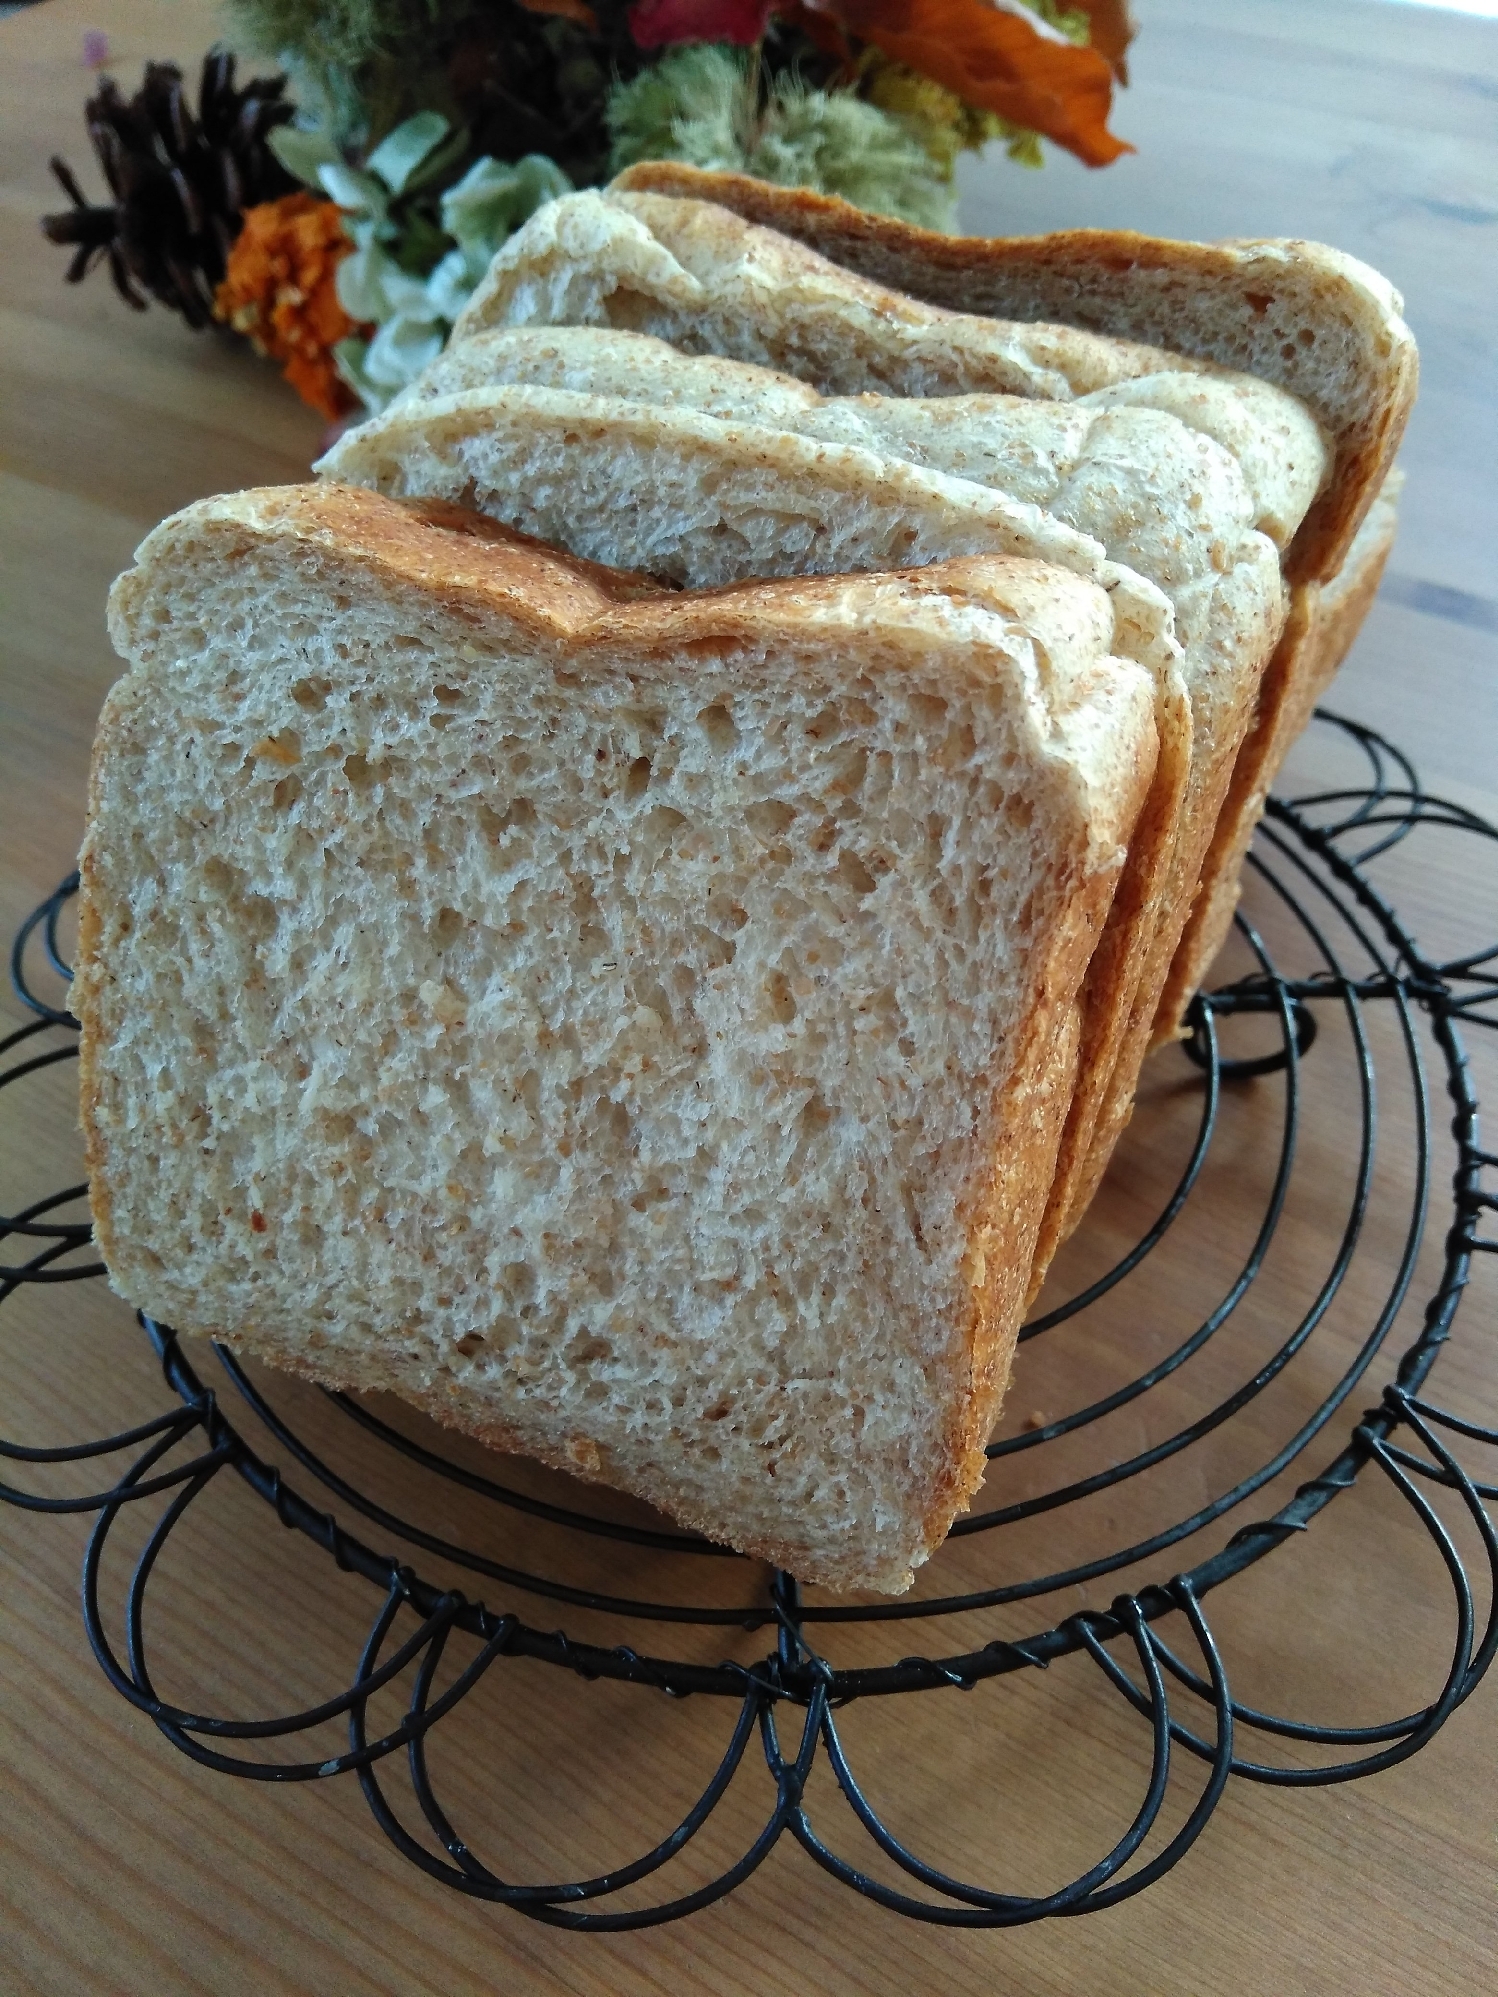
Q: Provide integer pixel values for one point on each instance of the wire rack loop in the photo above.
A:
(1351, 969)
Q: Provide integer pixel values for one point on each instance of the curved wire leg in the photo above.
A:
(557, 1904)
(1100, 1885)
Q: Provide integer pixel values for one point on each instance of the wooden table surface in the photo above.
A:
(123, 1868)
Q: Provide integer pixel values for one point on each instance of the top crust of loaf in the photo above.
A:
(468, 562)
(1317, 322)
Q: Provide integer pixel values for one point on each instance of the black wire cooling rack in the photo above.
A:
(1342, 966)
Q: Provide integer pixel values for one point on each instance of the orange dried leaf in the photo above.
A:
(997, 55)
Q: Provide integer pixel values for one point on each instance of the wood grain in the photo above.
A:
(125, 1869)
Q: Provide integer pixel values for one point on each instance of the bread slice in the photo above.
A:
(1325, 620)
(634, 1026)
(697, 502)
(705, 502)
(707, 282)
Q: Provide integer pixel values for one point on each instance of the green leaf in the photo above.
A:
(492, 200)
(402, 151)
(357, 193)
(372, 285)
(420, 246)
(348, 358)
(401, 349)
(452, 282)
(440, 160)
(302, 153)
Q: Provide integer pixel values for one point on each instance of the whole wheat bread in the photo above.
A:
(634, 1026)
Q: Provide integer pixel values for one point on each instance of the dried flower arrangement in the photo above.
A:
(342, 226)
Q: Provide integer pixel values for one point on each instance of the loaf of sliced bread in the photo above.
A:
(634, 1025)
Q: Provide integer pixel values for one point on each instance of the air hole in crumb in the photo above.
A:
(664, 821)
(449, 696)
(515, 817)
(853, 874)
(717, 725)
(286, 793)
(769, 819)
(448, 927)
(717, 950)
(311, 694)
(470, 1344)
(519, 1279)
(584, 1350)
(637, 777)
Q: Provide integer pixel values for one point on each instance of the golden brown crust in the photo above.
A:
(1091, 277)
(1112, 984)
(1324, 621)
(88, 972)
(474, 566)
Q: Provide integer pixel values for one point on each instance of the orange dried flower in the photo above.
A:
(279, 289)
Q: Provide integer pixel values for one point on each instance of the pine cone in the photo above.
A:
(180, 183)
